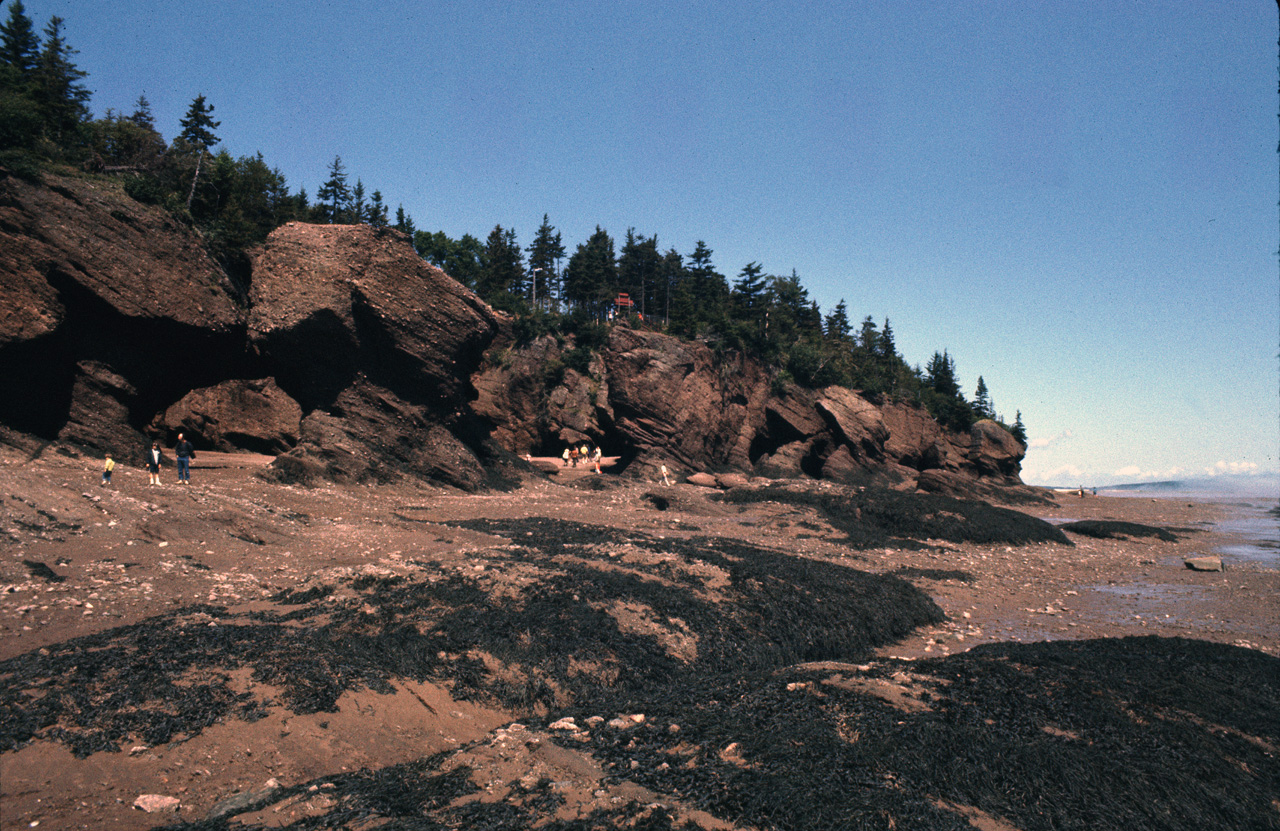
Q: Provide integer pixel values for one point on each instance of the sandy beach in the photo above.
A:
(83, 560)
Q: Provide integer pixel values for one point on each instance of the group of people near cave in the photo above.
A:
(184, 451)
(584, 453)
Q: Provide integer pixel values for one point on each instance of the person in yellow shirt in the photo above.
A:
(108, 466)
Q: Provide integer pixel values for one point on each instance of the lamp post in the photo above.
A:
(534, 275)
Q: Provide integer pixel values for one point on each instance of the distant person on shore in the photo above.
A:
(595, 458)
(153, 464)
(665, 479)
(565, 456)
(108, 466)
(185, 453)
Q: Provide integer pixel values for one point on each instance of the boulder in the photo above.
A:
(365, 301)
(1204, 563)
(993, 451)
(253, 415)
(98, 418)
(372, 435)
(702, 480)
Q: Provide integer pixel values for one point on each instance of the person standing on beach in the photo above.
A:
(108, 466)
(185, 453)
(153, 464)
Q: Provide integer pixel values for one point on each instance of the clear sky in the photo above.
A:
(1077, 200)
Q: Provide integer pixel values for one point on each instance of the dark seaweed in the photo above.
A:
(1133, 734)
(1106, 529)
(877, 517)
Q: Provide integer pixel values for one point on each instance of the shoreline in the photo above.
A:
(1110, 587)
(231, 546)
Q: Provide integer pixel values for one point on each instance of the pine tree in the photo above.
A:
(545, 253)
(404, 222)
(197, 133)
(501, 266)
(868, 337)
(591, 278)
(62, 100)
(638, 268)
(334, 194)
(837, 327)
(142, 114)
(19, 46)
(941, 375)
(1018, 430)
(359, 210)
(982, 405)
(377, 210)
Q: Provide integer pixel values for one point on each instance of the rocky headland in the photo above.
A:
(382, 602)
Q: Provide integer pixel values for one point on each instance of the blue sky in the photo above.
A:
(1077, 200)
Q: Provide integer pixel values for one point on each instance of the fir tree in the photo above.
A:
(377, 210)
(982, 406)
(19, 46)
(545, 253)
(836, 326)
(359, 210)
(1018, 430)
(197, 133)
(404, 222)
(334, 194)
(63, 102)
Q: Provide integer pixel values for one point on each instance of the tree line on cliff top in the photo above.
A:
(236, 202)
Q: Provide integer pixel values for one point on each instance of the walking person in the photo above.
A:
(153, 464)
(108, 466)
(185, 453)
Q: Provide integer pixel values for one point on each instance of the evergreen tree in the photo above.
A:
(198, 125)
(837, 327)
(701, 298)
(19, 45)
(941, 375)
(591, 277)
(359, 210)
(63, 102)
(670, 274)
(334, 196)
(888, 348)
(198, 136)
(377, 210)
(638, 268)
(142, 114)
(501, 268)
(868, 337)
(1018, 430)
(545, 253)
(982, 406)
(404, 222)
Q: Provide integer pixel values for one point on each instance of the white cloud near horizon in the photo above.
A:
(1050, 440)
(1224, 468)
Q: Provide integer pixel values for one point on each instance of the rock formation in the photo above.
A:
(348, 356)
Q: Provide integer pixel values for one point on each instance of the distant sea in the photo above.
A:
(1253, 504)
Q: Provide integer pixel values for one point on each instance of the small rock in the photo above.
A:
(154, 803)
(1205, 564)
(563, 724)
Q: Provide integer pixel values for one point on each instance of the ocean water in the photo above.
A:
(1254, 515)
